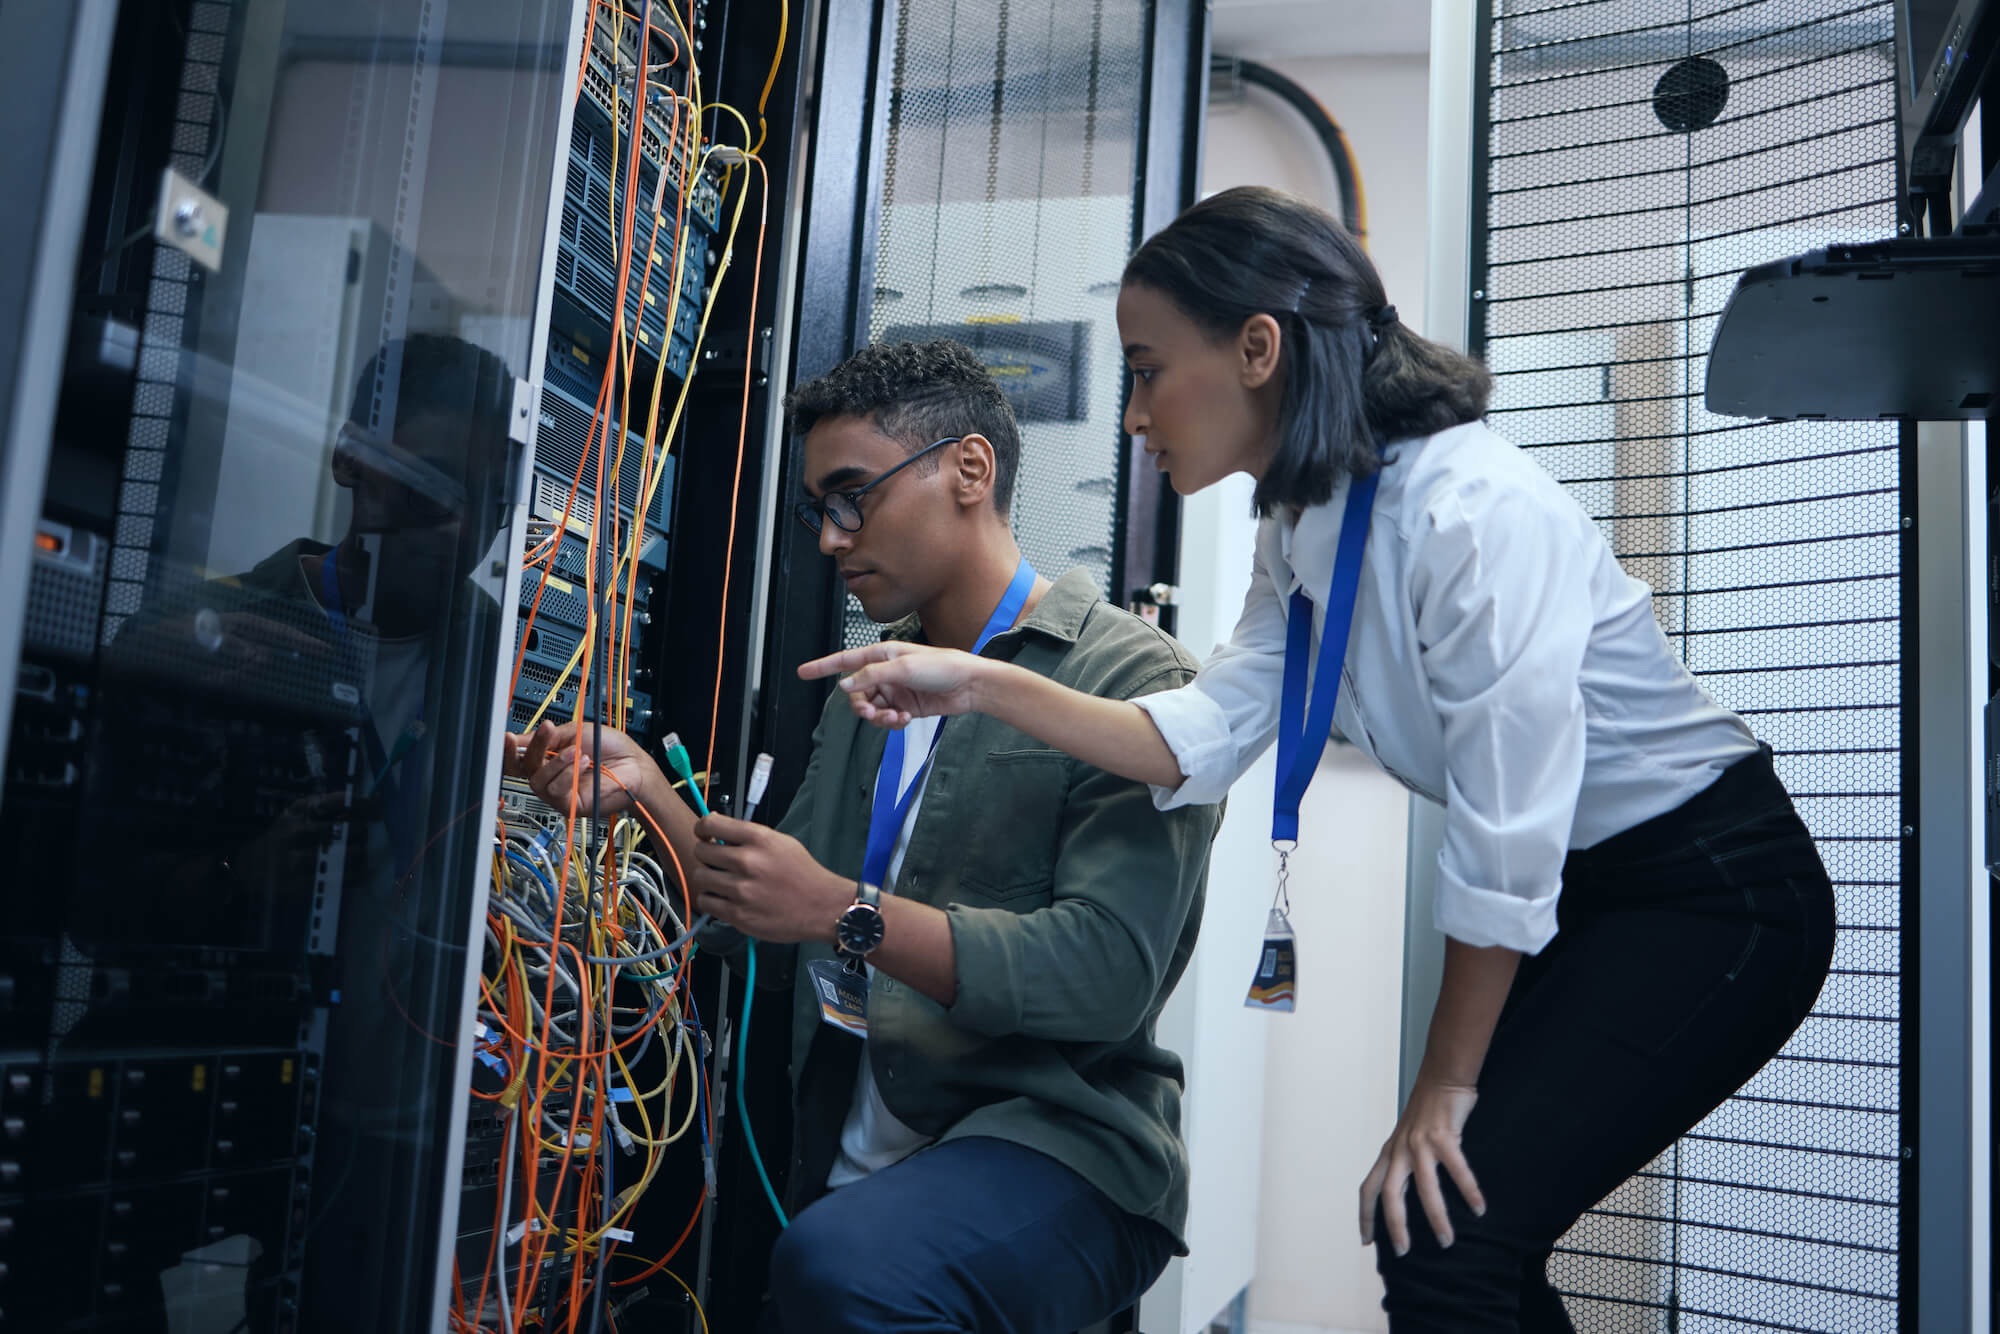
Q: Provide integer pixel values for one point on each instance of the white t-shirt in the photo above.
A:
(395, 688)
(872, 1138)
(396, 694)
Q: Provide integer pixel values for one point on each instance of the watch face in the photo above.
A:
(859, 929)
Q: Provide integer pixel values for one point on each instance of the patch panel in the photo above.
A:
(566, 441)
(537, 681)
(567, 576)
(663, 143)
(587, 247)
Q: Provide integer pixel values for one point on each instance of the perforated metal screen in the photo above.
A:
(1634, 156)
(1007, 210)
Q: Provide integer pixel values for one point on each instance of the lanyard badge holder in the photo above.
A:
(842, 984)
(1276, 986)
(1302, 736)
(843, 995)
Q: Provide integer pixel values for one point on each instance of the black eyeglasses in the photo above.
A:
(844, 507)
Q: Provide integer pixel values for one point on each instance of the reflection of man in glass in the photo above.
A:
(427, 501)
(327, 707)
(429, 496)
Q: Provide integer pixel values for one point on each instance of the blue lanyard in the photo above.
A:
(1302, 734)
(890, 810)
(329, 587)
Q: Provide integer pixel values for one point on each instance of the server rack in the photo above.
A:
(253, 772)
(287, 344)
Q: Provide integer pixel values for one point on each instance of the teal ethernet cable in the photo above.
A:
(742, 1078)
(683, 767)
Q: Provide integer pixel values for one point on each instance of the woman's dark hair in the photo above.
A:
(1356, 378)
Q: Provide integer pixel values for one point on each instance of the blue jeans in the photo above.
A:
(974, 1234)
(1689, 949)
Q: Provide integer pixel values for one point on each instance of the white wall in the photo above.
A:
(302, 343)
(1222, 1043)
(1332, 1066)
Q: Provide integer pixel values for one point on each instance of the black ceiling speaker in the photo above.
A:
(1691, 94)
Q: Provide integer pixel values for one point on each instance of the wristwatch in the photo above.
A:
(859, 929)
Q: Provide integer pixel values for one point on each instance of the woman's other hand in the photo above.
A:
(1426, 1138)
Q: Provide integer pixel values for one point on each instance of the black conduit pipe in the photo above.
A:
(1352, 209)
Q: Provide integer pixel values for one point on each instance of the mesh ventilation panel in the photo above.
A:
(1007, 211)
(1638, 155)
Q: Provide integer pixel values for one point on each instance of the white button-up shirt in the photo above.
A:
(1500, 662)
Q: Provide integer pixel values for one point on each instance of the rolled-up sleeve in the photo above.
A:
(1220, 722)
(1501, 593)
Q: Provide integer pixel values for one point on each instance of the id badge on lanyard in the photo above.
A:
(842, 996)
(842, 985)
(1302, 733)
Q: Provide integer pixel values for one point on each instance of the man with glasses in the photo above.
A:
(980, 931)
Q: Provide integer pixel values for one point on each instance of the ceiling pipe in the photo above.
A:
(1229, 74)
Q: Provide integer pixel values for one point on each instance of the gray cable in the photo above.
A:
(506, 1200)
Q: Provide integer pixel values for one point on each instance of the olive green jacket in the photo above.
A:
(1074, 906)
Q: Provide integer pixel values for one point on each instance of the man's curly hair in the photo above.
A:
(916, 393)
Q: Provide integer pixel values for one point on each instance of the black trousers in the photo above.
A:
(1689, 948)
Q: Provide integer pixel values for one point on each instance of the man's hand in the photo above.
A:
(556, 761)
(764, 883)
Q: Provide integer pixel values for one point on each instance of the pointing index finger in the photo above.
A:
(838, 664)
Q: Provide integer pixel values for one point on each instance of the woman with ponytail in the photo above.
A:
(1636, 917)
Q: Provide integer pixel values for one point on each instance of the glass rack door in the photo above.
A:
(249, 779)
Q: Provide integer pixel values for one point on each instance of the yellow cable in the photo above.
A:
(747, 150)
(617, 913)
(591, 633)
(624, 568)
(699, 1313)
(777, 59)
(701, 335)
